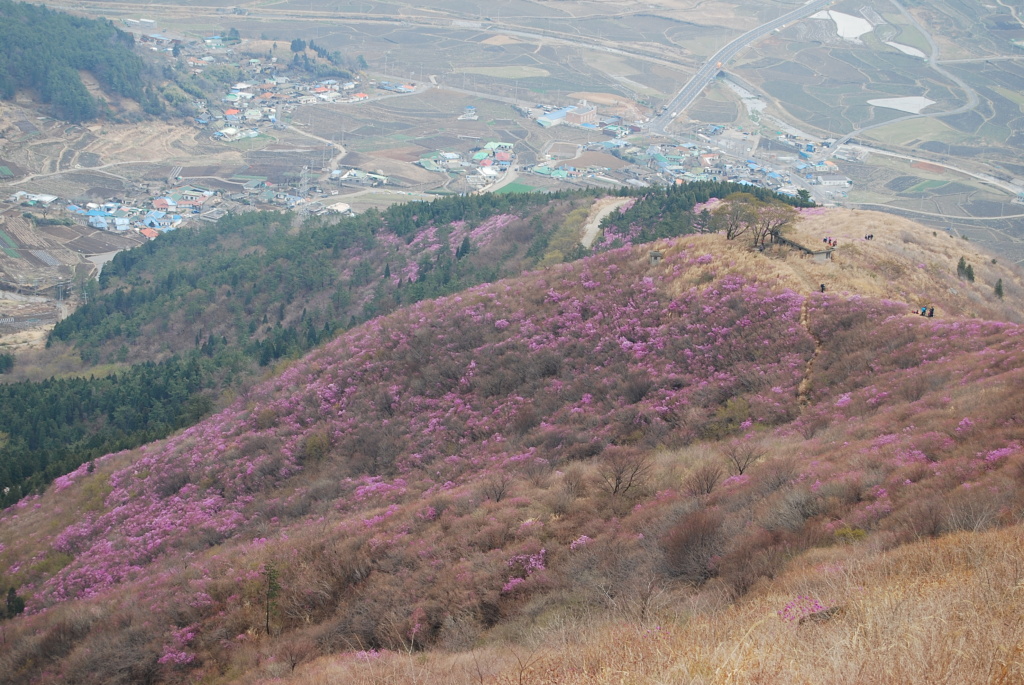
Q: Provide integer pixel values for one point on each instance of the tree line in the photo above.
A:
(52, 427)
(668, 212)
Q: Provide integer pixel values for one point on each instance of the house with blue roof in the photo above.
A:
(156, 219)
(556, 117)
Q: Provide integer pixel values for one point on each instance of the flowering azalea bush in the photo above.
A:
(440, 468)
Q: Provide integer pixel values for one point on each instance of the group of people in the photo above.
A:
(831, 242)
(927, 311)
(869, 236)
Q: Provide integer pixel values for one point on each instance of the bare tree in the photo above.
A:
(497, 486)
(742, 456)
(621, 470)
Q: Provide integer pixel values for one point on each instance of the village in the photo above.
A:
(306, 148)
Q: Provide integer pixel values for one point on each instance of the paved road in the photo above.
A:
(1012, 188)
(948, 217)
(969, 60)
(706, 73)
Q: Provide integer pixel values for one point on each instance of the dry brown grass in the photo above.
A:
(943, 611)
(905, 262)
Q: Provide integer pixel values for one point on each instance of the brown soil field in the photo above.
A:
(595, 159)
(402, 154)
(609, 99)
(501, 40)
(563, 150)
(614, 104)
(925, 166)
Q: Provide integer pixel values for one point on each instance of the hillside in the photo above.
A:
(578, 475)
(44, 51)
(210, 308)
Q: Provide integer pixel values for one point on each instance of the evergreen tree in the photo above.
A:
(15, 604)
(999, 289)
(961, 269)
(969, 273)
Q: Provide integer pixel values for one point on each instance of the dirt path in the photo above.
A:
(598, 212)
(333, 164)
(803, 391)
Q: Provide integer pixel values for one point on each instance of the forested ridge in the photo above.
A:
(215, 305)
(258, 284)
(42, 50)
(52, 427)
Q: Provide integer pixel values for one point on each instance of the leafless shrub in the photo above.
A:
(578, 451)
(972, 510)
(61, 636)
(497, 486)
(636, 386)
(742, 455)
(914, 387)
(384, 403)
(561, 502)
(777, 473)
(788, 509)
(756, 555)
(574, 482)
(296, 650)
(374, 448)
(691, 543)
(129, 657)
(459, 633)
(922, 518)
(618, 573)
(525, 419)
(173, 482)
(538, 472)
(703, 480)
(622, 469)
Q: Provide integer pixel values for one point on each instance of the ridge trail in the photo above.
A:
(803, 391)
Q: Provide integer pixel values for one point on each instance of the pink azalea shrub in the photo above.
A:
(469, 449)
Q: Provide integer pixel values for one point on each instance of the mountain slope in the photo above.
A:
(45, 51)
(219, 303)
(549, 448)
